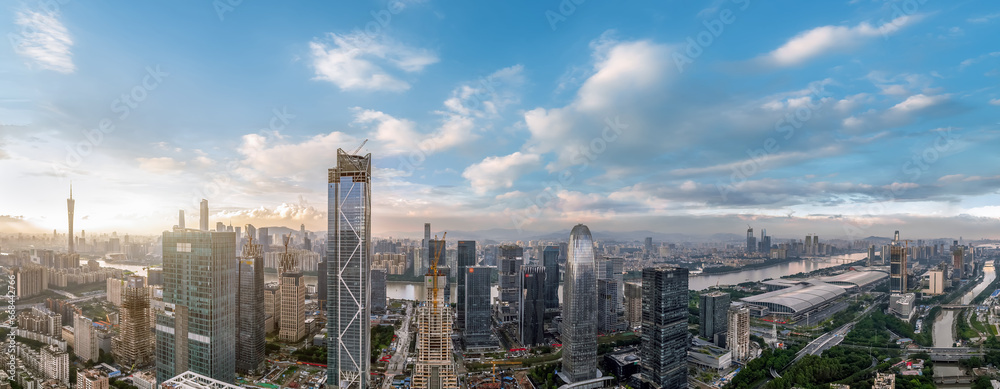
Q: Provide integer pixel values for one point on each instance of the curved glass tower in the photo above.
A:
(579, 326)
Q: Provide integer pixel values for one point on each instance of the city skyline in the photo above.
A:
(530, 134)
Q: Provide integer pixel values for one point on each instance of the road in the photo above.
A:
(398, 361)
(830, 339)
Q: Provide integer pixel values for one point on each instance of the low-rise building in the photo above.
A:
(709, 356)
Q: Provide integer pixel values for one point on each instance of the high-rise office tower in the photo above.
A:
(550, 259)
(434, 368)
(897, 269)
(292, 325)
(197, 329)
(477, 306)
(647, 245)
(466, 259)
(751, 240)
(203, 221)
(532, 318)
(579, 326)
(738, 331)
(321, 287)
(664, 327)
(180, 219)
(378, 290)
(958, 261)
(633, 304)
(610, 317)
(348, 247)
(264, 238)
(134, 343)
(871, 255)
(250, 312)
(510, 262)
(70, 204)
(84, 339)
(712, 313)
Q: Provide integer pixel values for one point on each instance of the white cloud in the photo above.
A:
(499, 172)
(44, 40)
(357, 61)
(995, 101)
(287, 212)
(984, 18)
(398, 136)
(160, 165)
(825, 39)
(917, 102)
(268, 157)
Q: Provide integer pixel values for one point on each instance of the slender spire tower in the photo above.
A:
(70, 204)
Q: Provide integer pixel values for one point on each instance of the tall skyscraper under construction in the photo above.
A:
(292, 325)
(579, 326)
(134, 343)
(250, 312)
(348, 247)
(434, 368)
(196, 331)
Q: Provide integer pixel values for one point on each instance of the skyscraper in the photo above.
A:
(738, 331)
(348, 248)
(203, 225)
(134, 343)
(633, 304)
(70, 204)
(292, 323)
(197, 329)
(871, 255)
(511, 260)
(897, 269)
(579, 326)
(550, 259)
(466, 259)
(751, 240)
(610, 317)
(180, 219)
(84, 338)
(712, 313)
(477, 306)
(434, 368)
(532, 304)
(250, 313)
(664, 327)
(958, 262)
(378, 290)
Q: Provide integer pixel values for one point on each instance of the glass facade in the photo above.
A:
(348, 277)
(579, 326)
(665, 337)
(466, 259)
(477, 303)
(197, 330)
(712, 316)
(532, 304)
(550, 258)
(250, 308)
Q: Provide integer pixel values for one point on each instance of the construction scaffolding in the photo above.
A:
(133, 346)
(434, 368)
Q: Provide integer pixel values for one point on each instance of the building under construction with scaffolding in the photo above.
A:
(434, 368)
(133, 346)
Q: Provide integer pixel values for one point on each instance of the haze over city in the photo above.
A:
(842, 119)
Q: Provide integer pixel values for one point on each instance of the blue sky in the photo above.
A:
(843, 118)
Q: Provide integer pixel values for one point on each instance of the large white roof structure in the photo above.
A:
(798, 298)
(192, 380)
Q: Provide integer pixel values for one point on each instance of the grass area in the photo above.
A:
(381, 337)
(962, 328)
(874, 330)
(624, 336)
(977, 324)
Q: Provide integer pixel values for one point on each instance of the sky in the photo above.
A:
(842, 118)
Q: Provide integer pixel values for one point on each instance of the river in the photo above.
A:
(943, 336)
(413, 291)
